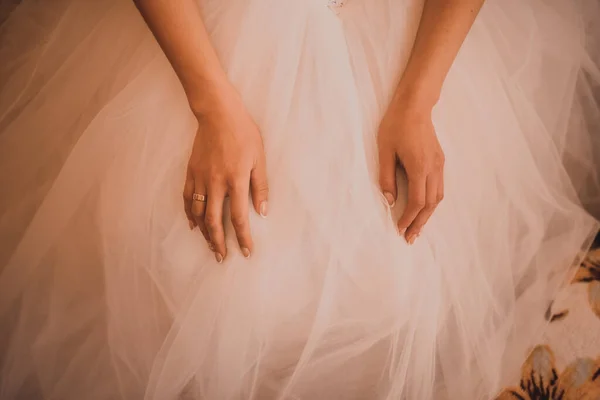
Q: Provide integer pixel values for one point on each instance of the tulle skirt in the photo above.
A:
(105, 293)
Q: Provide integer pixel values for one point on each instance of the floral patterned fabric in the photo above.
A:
(566, 366)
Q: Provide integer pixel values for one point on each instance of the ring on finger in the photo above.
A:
(199, 197)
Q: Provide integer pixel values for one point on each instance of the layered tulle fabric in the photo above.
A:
(105, 293)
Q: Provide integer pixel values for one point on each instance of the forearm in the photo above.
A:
(179, 29)
(442, 30)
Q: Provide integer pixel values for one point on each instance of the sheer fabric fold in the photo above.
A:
(105, 293)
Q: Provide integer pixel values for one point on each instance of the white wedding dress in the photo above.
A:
(105, 293)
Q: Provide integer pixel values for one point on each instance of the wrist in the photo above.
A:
(417, 94)
(207, 94)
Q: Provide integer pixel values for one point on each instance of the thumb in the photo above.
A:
(387, 176)
(259, 187)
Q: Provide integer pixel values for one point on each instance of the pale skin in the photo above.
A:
(406, 133)
(228, 159)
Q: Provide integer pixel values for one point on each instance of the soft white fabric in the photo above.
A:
(105, 293)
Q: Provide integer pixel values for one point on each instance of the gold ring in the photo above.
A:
(199, 197)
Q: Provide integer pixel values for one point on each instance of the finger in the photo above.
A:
(199, 212)
(213, 219)
(416, 199)
(387, 175)
(431, 202)
(239, 215)
(260, 187)
(188, 192)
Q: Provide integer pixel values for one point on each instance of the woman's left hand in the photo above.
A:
(406, 135)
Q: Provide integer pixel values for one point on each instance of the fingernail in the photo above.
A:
(390, 199)
(219, 257)
(411, 239)
(263, 209)
(191, 225)
(211, 246)
(246, 252)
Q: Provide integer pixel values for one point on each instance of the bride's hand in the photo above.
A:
(406, 135)
(227, 160)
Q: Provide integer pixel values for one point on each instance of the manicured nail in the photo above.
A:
(219, 257)
(263, 209)
(211, 246)
(390, 199)
(411, 239)
(246, 252)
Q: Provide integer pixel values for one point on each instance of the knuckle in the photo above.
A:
(387, 178)
(196, 170)
(430, 205)
(192, 166)
(261, 187)
(215, 175)
(418, 203)
(237, 184)
(238, 222)
(196, 212)
(262, 193)
(232, 173)
(211, 222)
(419, 169)
(215, 182)
(440, 197)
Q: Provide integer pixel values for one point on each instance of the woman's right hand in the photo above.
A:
(227, 159)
